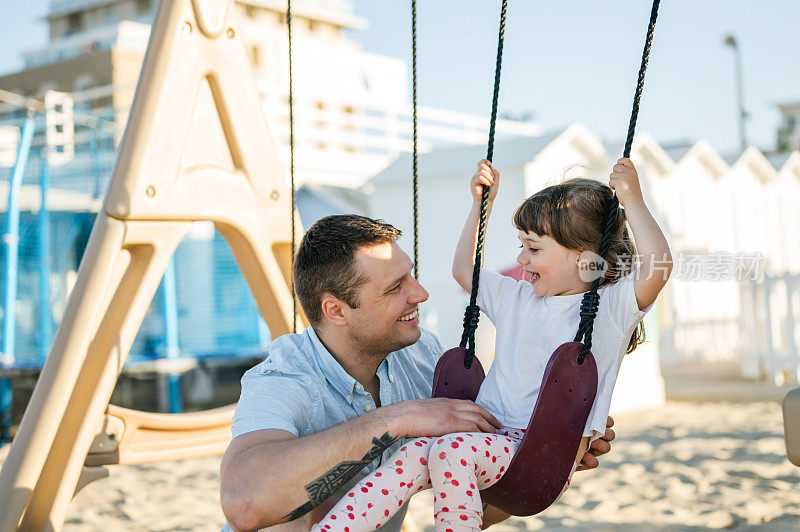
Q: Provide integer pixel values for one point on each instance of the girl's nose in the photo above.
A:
(521, 258)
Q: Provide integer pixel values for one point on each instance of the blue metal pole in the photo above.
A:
(43, 222)
(11, 241)
(171, 322)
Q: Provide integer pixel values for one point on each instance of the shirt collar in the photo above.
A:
(386, 368)
(331, 369)
(335, 373)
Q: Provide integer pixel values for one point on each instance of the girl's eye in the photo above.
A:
(533, 250)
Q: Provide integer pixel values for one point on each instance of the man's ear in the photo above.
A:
(333, 310)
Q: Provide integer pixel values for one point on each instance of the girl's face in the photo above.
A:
(551, 268)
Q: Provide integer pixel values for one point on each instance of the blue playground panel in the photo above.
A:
(216, 313)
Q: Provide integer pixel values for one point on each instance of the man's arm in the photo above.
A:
(270, 476)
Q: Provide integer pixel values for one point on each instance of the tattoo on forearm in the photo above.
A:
(323, 487)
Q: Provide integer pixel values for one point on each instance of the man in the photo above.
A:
(330, 403)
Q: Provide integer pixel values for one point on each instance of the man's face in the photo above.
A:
(387, 318)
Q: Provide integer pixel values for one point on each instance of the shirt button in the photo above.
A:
(391, 377)
(358, 387)
(368, 408)
(349, 397)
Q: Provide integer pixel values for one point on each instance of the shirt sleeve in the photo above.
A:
(276, 397)
(495, 291)
(619, 302)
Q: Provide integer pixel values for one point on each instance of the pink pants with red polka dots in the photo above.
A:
(455, 466)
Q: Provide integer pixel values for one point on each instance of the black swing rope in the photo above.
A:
(591, 299)
(472, 312)
(415, 180)
(291, 161)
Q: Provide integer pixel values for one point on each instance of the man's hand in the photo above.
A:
(436, 417)
(598, 447)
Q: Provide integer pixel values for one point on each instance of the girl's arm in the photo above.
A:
(464, 256)
(654, 254)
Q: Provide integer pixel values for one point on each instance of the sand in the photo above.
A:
(685, 466)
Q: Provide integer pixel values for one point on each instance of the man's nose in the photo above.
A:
(418, 294)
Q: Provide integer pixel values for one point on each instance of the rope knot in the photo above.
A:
(472, 315)
(589, 305)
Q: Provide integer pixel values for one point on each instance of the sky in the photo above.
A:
(573, 61)
(577, 61)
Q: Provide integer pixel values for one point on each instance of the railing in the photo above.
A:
(351, 139)
(771, 329)
(125, 34)
(763, 336)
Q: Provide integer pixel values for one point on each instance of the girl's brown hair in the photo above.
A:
(572, 213)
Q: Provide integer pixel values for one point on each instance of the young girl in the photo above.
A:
(560, 228)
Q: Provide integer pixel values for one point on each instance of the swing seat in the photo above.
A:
(453, 380)
(544, 459)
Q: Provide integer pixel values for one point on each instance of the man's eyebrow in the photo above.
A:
(396, 282)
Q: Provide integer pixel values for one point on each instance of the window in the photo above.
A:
(74, 23)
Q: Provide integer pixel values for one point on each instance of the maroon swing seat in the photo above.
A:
(544, 459)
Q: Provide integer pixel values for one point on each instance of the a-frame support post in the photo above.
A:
(196, 147)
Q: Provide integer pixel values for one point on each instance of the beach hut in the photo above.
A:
(703, 310)
(783, 210)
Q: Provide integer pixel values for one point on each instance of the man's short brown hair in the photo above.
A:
(325, 262)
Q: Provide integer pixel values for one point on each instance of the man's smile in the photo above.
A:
(410, 316)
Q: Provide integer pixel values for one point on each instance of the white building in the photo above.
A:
(789, 131)
(351, 108)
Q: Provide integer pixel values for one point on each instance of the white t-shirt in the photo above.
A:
(531, 327)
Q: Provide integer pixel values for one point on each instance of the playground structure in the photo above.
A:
(213, 157)
(193, 150)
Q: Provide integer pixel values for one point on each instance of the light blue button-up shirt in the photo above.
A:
(300, 388)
